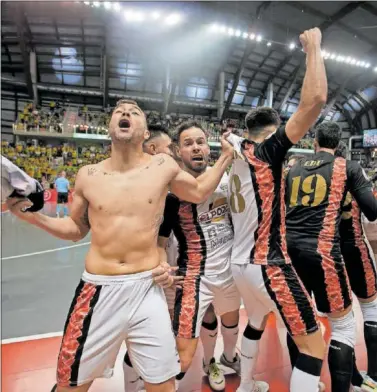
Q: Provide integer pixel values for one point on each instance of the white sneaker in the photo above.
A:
(215, 375)
(259, 386)
(235, 365)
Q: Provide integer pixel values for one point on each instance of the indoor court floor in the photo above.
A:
(39, 276)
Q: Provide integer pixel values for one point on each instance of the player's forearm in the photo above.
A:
(314, 87)
(65, 228)
(209, 180)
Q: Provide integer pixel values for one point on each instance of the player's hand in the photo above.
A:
(164, 276)
(311, 39)
(226, 148)
(18, 207)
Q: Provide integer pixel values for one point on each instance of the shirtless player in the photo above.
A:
(121, 200)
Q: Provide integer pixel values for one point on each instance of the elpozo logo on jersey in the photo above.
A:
(217, 211)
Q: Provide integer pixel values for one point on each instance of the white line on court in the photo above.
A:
(44, 251)
(32, 337)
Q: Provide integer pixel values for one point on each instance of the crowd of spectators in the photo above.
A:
(43, 161)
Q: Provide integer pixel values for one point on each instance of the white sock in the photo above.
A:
(249, 355)
(132, 380)
(303, 381)
(230, 337)
(208, 336)
(306, 374)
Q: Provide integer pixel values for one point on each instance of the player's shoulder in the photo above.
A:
(165, 160)
(353, 167)
(88, 170)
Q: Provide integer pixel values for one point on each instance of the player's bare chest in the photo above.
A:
(123, 193)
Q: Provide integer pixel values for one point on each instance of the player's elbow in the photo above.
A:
(200, 197)
(320, 99)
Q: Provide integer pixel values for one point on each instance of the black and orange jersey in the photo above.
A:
(204, 232)
(316, 191)
(351, 227)
(256, 199)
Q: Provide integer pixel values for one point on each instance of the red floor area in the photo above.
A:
(30, 366)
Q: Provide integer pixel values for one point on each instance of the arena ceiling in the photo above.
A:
(95, 53)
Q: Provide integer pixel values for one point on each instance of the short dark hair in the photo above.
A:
(328, 135)
(341, 150)
(123, 101)
(259, 118)
(156, 130)
(187, 125)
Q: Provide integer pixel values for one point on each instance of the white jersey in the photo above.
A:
(256, 199)
(244, 214)
(204, 232)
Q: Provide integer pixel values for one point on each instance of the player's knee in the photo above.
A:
(369, 310)
(312, 344)
(343, 329)
(209, 316)
(230, 318)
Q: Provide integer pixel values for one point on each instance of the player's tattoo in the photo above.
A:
(85, 218)
(92, 171)
(160, 161)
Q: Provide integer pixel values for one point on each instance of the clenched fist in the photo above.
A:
(311, 38)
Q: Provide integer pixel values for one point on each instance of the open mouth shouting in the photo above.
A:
(197, 158)
(124, 124)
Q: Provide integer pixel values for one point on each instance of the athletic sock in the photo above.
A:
(131, 378)
(230, 337)
(65, 210)
(341, 365)
(293, 350)
(357, 378)
(369, 311)
(178, 379)
(370, 336)
(306, 374)
(208, 336)
(58, 209)
(249, 354)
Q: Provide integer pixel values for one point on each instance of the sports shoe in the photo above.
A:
(259, 386)
(235, 365)
(215, 375)
(368, 385)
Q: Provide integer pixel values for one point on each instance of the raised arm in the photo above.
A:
(314, 88)
(198, 190)
(74, 228)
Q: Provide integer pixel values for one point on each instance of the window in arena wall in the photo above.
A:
(197, 88)
(240, 91)
(67, 60)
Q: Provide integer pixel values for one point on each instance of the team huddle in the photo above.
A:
(176, 244)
